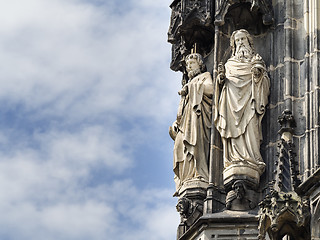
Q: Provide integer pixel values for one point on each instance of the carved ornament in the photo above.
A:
(283, 213)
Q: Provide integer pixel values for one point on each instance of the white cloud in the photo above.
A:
(77, 59)
(53, 210)
(80, 74)
(46, 193)
(150, 212)
(85, 149)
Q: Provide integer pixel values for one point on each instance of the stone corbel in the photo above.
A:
(241, 197)
(190, 211)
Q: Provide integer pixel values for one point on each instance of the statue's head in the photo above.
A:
(239, 188)
(183, 205)
(194, 64)
(242, 44)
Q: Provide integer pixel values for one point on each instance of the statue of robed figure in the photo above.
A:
(241, 96)
(191, 130)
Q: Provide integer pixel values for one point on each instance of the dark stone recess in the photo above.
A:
(240, 16)
(270, 126)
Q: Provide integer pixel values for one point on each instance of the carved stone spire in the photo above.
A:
(283, 205)
(286, 173)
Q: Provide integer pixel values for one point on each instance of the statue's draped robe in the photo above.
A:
(191, 147)
(239, 109)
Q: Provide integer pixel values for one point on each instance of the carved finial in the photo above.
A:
(287, 123)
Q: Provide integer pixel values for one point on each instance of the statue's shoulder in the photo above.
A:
(233, 60)
(205, 75)
(201, 77)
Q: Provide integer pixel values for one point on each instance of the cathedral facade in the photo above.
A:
(246, 136)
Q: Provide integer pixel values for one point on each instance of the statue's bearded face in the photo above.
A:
(238, 188)
(243, 48)
(182, 206)
(193, 68)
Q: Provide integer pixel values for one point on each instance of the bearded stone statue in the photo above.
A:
(241, 96)
(191, 130)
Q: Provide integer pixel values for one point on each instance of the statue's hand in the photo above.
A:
(173, 130)
(221, 74)
(221, 68)
(183, 91)
(257, 73)
(221, 78)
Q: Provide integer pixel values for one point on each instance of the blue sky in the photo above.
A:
(86, 100)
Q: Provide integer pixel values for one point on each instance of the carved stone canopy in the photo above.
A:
(255, 5)
(191, 24)
(284, 214)
(189, 15)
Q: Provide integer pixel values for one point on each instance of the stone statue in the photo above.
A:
(191, 130)
(241, 96)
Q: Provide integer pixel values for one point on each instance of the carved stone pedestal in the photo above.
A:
(249, 173)
(194, 188)
(226, 225)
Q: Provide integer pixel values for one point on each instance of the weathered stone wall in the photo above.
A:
(290, 48)
(295, 79)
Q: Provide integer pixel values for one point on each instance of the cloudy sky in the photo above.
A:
(86, 98)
